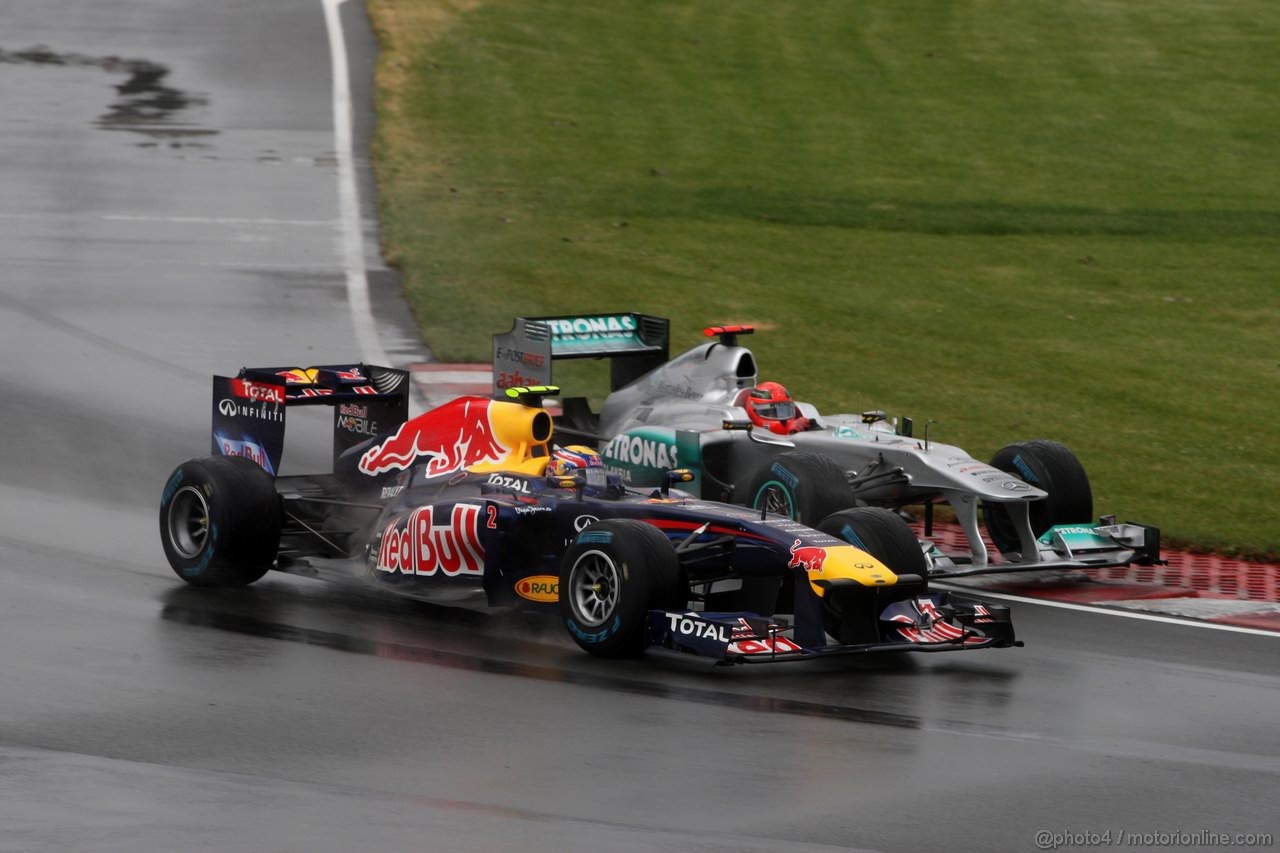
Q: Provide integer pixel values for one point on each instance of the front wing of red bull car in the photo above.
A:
(776, 590)
(456, 506)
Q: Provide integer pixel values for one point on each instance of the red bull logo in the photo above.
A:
(456, 435)
(807, 557)
(416, 545)
(298, 376)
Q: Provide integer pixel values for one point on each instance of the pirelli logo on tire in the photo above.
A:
(543, 588)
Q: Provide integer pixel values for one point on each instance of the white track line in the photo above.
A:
(1105, 611)
(348, 193)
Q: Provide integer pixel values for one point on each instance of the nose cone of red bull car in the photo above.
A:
(839, 562)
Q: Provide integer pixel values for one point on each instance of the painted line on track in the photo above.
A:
(1105, 611)
(348, 193)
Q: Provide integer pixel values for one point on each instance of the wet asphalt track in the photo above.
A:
(158, 227)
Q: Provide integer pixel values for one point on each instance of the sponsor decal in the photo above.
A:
(968, 468)
(595, 537)
(360, 426)
(513, 483)
(763, 646)
(532, 359)
(588, 329)
(589, 637)
(257, 391)
(248, 448)
(582, 522)
(514, 379)
(847, 432)
(354, 410)
(783, 474)
(171, 487)
(1024, 469)
(456, 435)
(647, 452)
(530, 510)
(539, 588)
(1015, 486)
(807, 557)
(416, 545)
(700, 628)
(671, 390)
(391, 492)
(261, 411)
(786, 525)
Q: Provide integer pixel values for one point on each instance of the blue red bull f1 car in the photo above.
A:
(472, 505)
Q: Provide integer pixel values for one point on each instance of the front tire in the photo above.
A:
(220, 521)
(614, 573)
(1049, 466)
(806, 487)
(853, 616)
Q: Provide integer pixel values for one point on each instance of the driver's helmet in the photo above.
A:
(769, 405)
(568, 461)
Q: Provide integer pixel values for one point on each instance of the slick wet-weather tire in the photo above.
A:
(1046, 465)
(853, 617)
(220, 521)
(800, 485)
(611, 576)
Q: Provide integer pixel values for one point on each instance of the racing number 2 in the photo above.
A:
(492, 523)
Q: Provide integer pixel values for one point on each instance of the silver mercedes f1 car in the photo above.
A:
(693, 412)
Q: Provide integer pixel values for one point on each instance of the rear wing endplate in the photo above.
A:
(249, 409)
(634, 344)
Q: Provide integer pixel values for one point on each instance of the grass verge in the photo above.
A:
(1019, 218)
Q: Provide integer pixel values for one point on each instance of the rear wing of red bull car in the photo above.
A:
(633, 343)
(249, 409)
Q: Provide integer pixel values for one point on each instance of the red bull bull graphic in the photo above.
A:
(298, 376)
(416, 545)
(456, 435)
(808, 557)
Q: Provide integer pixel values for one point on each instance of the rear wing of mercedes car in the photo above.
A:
(249, 409)
(633, 343)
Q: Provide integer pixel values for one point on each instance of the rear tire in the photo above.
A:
(614, 573)
(220, 521)
(1049, 466)
(806, 487)
(853, 616)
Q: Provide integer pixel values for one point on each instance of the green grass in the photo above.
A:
(1020, 218)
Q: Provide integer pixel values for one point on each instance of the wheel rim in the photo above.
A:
(773, 497)
(189, 522)
(593, 588)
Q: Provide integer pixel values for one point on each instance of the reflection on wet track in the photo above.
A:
(243, 624)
